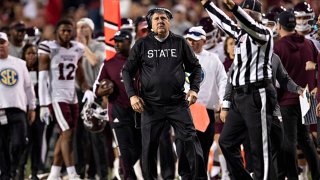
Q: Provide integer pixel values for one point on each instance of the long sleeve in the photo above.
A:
(222, 20)
(282, 75)
(29, 89)
(102, 75)
(257, 31)
(130, 69)
(192, 66)
(228, 92)
(222, 79)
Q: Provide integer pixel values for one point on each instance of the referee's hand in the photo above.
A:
(137, 103)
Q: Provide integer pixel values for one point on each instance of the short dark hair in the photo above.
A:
(289, 29)
(24, 50)
(64, 21)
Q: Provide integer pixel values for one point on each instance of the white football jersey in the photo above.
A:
(63, 66)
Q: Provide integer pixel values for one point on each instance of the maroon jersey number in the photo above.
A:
(70, 66)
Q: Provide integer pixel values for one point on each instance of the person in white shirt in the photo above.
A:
(17, 108)
(212, 87)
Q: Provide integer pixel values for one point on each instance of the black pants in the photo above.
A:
(128, 137)
(34, 147)
(167, 154)
(250, 114)
(13, 140)
(276, 136)
(295, 132)
(91, 149)
(206, 138)
(189, 150)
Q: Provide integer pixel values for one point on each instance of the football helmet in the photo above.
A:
(270, 18)
(212, 32)
(127, 24)
(94, 117)
(304, 15)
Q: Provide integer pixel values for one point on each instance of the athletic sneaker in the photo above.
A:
(74, 176)
(53, 177)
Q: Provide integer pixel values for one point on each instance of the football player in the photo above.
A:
(59, 66)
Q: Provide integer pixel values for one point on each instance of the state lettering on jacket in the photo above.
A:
(165, 53)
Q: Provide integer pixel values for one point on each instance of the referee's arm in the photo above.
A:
(257, 31)
(282, 76)
(228, 91)
(221, 19)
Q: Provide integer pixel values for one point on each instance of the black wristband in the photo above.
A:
(225, 109)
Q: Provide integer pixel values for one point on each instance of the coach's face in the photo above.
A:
(160, 23)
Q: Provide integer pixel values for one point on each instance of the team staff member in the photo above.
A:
(17, 107)
(163, 58)
(252, 103)
(294, 51)
(129, 138)
(212, 87)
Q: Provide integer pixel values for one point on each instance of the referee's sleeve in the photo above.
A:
(257, 31)
(222, 20)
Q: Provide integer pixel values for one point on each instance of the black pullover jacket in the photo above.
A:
(162, 67)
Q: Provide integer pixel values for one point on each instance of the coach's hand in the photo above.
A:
(223, 115)
(192, 97)
(137, 103)
(229, 3)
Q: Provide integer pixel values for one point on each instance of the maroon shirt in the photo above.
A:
(294, 51)
(112, 69)
(227, 63)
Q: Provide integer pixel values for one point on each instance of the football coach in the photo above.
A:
(162, 58)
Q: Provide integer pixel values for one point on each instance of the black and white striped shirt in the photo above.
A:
(254, 45)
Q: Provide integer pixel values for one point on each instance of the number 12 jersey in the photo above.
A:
(62, 72)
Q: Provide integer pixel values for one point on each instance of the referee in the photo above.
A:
(251, 105)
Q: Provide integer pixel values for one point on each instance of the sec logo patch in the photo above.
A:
(203, 76)
(8, 77)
